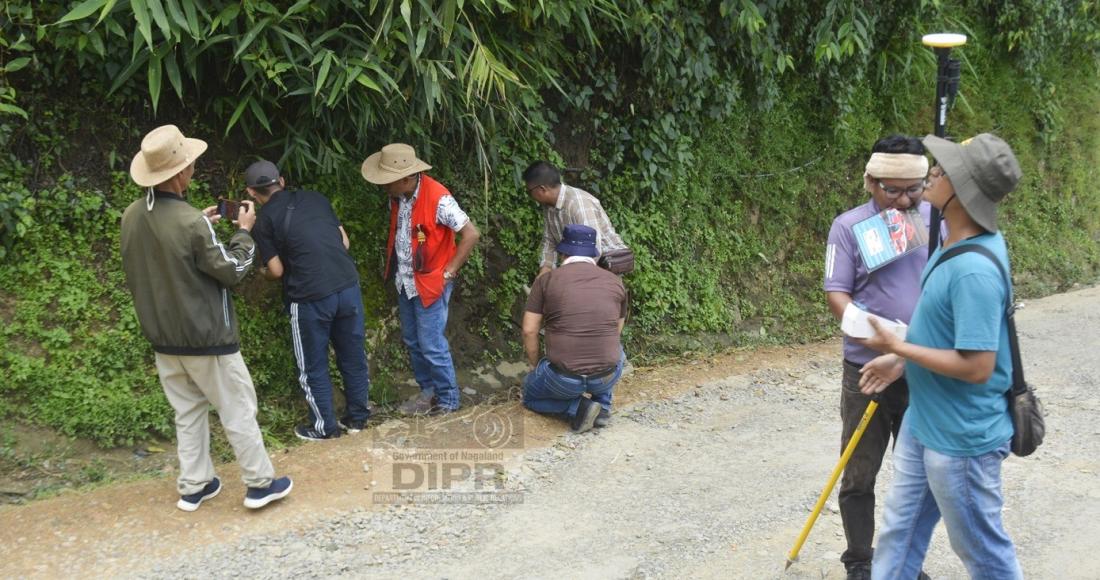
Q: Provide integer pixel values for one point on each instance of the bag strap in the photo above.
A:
(285, 231)
(286, 216)
(1018, 384)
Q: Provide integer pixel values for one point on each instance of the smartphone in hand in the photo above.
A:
(228, 208)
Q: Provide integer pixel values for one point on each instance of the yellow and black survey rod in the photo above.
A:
(840, 464)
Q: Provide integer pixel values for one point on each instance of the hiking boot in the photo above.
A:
(859, 571)
(418, 404)
(258, 497)
(441, 411)
(191, 502)
(604, 418)
(586, 415)
(351, 425)
(311, 434)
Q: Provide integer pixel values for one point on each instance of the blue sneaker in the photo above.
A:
(258, 497)
(191, 502)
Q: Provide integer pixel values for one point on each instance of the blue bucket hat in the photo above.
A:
(578, 240)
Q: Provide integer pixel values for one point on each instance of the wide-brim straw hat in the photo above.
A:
(164, 153)
(982, 169)
(393, 162)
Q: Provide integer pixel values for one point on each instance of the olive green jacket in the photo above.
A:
(179, 274)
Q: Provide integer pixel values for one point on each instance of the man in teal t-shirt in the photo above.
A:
(957, 361)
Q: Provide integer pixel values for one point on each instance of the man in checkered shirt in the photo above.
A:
(564, 205)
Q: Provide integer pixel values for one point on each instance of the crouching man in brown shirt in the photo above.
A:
(583, 307)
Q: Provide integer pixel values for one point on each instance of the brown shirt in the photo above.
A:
(581, 305)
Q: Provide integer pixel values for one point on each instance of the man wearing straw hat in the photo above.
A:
(895, 179)
(424, 218)
(179, 275)
(957, 358)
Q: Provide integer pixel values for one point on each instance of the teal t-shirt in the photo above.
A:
(962, 307)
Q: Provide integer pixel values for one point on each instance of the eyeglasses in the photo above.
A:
(533, 188)
(913, 191)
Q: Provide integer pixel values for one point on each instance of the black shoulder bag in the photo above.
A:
(1026, 409)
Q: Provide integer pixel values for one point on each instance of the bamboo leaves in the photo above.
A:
(347, 68)
(153, 76)
(82, 11)
(145, 25)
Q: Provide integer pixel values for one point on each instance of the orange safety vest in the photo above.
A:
(439, 240)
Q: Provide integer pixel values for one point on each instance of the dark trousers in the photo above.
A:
(336, 319)
(857, 487)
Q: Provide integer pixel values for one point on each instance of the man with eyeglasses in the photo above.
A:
(564, 205)
(958, 358)
(895, 176)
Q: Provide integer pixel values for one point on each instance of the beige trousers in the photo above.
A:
(194, 383)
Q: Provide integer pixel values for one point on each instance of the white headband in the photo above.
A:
(897, 166)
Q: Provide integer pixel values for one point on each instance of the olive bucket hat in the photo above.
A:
(982, 169)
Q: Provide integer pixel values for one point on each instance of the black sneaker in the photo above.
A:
(258, 497)
(859, 571)
(352, 426)
(311, 434)
(586, 415)
(604, 418)
(191, 502)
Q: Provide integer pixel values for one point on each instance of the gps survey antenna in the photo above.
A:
(947, 86)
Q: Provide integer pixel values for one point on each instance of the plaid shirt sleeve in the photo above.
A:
(549, 253)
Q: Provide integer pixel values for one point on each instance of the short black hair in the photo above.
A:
(898, 144)
(269, 189)
(541, 173)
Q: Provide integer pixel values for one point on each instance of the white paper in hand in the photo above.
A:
(856, 323)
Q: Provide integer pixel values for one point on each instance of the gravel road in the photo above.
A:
(693, 479)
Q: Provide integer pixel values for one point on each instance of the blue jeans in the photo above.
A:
(966, 491)
(546, 391)
(422, 330)
(337, 319)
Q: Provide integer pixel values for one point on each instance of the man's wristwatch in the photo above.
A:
(447, 275)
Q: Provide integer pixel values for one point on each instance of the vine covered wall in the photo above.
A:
(721, 136)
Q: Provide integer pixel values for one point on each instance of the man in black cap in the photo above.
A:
(584, 308)
(956, 358)
(301, 241)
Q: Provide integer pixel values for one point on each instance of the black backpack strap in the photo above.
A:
(1018, 384)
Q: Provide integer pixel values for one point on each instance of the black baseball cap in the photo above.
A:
(261, 174)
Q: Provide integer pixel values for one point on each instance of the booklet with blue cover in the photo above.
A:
(889, 235)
